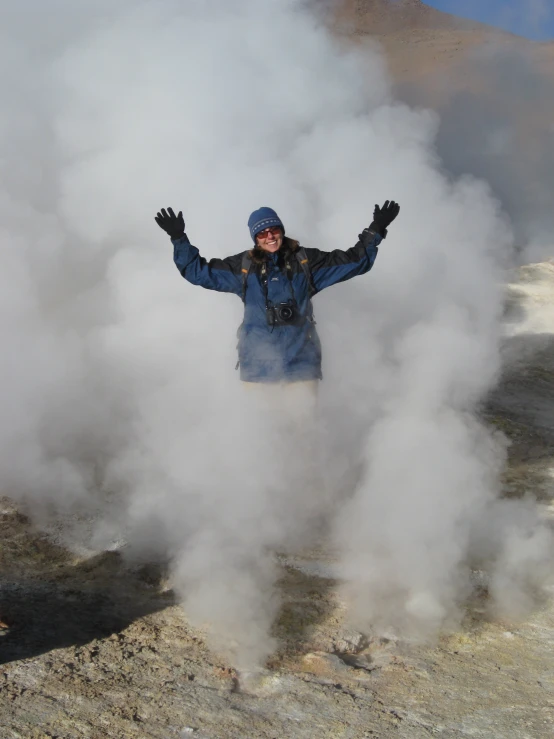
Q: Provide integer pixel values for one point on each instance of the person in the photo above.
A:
(277, 279)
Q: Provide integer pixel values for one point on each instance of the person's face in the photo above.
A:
(270, 239)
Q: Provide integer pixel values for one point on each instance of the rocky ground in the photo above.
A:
(100, 649)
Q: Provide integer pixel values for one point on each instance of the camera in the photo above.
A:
(284, 314)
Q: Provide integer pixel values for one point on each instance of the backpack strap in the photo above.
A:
(302, 258)
(245, 270)
(304, 263)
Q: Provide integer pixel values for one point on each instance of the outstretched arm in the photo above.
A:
(223, 275)
(328, 268)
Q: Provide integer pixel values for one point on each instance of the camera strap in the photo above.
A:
(288, 270)
(263, 282)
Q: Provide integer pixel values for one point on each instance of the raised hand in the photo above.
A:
(173, 225)
(383, 216)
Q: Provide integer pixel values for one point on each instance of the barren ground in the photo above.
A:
(100, 650)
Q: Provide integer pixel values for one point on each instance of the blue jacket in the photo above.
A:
(267, 353)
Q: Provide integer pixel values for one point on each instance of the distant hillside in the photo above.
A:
(418, 38)
(493, 90)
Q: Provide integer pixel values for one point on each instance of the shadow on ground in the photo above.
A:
(308, 602)
(51, 601)
(522, 406)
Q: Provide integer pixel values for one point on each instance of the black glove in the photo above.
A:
(173, 225)
(383, 217)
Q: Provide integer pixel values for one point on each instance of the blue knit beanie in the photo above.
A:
(261, 219)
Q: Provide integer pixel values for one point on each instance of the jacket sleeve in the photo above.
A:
(223, 275)
(330, 267)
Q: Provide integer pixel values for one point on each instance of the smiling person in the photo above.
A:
(276, 280)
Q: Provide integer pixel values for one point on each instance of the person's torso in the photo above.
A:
(272, 347)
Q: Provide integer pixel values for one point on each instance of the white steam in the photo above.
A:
(117, 382)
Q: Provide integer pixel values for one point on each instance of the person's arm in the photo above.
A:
(223, 275)
(328, 268)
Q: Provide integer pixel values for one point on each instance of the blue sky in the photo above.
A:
(531, 18)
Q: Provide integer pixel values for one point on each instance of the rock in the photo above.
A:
(323, 664)
(350, 641)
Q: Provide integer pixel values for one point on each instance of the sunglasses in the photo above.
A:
(274, 231)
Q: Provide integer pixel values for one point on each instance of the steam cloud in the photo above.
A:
(119, 396)
(488, 136)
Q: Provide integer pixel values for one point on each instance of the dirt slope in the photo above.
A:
(420, 40)
(493, 91)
